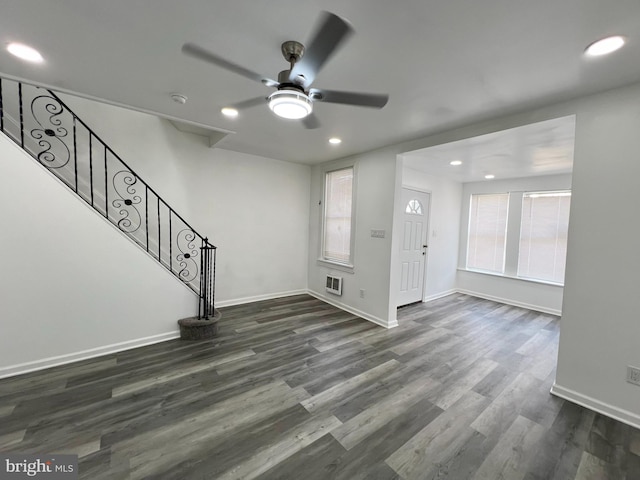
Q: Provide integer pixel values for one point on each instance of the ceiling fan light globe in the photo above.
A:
(289, 104)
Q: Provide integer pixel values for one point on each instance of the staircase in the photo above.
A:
(44, 127)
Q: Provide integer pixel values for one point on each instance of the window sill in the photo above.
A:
(344, 267)
(513, 277)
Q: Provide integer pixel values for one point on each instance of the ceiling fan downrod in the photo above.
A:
(292, 52)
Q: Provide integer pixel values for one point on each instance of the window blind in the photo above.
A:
(543, 235)
(487, 232)
(337, 215)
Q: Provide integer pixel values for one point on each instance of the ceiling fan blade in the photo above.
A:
(252, 102)
(196, 51)
(332, 31)
(372, 100)
(311, 121)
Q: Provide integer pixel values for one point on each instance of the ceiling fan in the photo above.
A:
(294, 96)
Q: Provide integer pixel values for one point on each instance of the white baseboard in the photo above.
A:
(436, 296)
(515, 303)
(259, 298)
(616, 413)
(44, 363)
(355, 311)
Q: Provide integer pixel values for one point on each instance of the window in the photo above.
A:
(543, 235)
(338, 202)
(487, 232)
(414, 207)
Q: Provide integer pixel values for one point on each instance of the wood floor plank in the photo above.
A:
(304, 435)
(345, 338)
(559, 455)
(495, 382)
(362, 365)
(318, 366)
(462, 458)
(366, 459)
(221, 453)
(505, 407)
(265, 360)
(181, 372)
(454, 391)
(7, 410)
(9, 439)
(594, 468)
(379, 391)
(430, 354)
(286, 319)
(217, 420)
(510, 457)
(433, 443)
(419, 340)
(541, 406)
(296, 388)
(307, 462)
(361, 426)
(338, 333)
(326, 397)
(537, 342)
(123, 423)
(326, 321)
(82, 450)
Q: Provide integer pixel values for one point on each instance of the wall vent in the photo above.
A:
(334, 285)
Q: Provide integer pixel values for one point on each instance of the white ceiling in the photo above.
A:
(543, 148)
(443, 63)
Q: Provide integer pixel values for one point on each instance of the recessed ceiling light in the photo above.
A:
(229, 112)
(25, 52)
(489, 177)
(335, 141)
(455, 163)
(605, 46)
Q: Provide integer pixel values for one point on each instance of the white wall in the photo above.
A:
(541, 297)
(375, 186)
(508, 288)
(72, 286)
(599, 327)
(254, 209)
(444, 230)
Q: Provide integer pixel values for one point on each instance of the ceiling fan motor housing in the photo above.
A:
(285, 82)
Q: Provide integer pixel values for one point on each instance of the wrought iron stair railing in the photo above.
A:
(45, 127)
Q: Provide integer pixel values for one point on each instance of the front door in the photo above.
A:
(413, 248)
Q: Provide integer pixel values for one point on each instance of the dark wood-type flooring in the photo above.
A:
(294, 388)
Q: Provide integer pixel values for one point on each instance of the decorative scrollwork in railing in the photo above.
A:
(188, 252)
(46, 111)
(124, 185)
(49, 131)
